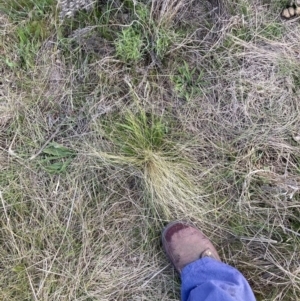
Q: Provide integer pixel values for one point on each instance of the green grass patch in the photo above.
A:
(30, 37)
(34, 24)
(144, 37)
(272, 31)
(20, 10)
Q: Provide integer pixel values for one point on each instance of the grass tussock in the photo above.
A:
(126, 115)
(143, 142)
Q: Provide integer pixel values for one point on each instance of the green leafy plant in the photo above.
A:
(130, 44)
(188, 82)
(57, 158)
(132, 41)
(142, 12)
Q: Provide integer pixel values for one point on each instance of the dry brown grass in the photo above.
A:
(89, 232)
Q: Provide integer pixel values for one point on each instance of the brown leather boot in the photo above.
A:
(184, 244)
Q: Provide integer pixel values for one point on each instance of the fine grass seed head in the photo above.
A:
(145, 143)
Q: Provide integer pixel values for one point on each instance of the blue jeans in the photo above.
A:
(209, 280)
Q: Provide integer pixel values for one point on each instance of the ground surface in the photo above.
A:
(132, 114)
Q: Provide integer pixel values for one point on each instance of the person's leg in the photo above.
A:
(204, 277)
(210, 280)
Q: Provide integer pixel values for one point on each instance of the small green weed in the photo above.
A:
(57, 158)
(132, 41)
(142, 12)
(130, 45)
(188, 82)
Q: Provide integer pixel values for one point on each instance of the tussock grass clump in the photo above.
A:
(146, 143)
